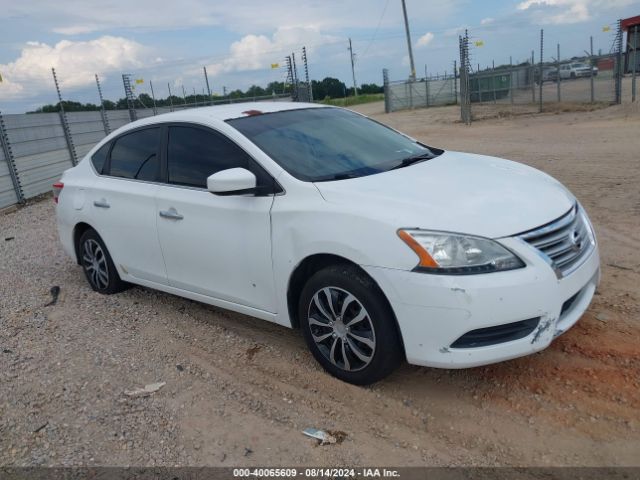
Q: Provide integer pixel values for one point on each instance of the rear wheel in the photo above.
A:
(348, 325)
(98, 267)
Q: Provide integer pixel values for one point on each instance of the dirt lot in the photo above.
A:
(239, 391)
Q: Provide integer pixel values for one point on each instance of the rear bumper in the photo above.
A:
(433, 311)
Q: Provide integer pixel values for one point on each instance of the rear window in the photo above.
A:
(100, 157)
(135, 155)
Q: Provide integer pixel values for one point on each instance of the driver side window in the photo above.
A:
(195, 153)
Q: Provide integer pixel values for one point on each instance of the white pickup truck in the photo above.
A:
(576, 70)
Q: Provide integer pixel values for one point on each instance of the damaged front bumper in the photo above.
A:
(467, 321)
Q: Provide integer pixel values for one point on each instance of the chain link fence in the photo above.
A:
(431, 91)
(542, 85)
(541, 82)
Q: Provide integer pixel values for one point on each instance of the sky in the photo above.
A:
(168, 43)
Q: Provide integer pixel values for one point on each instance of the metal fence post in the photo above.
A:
(541, 63)
(206, 79)
(619, 69)
(103, 113)
(153, 97)
(465, 98)
(170, 99)
(426, 87)
(593, 94)
(306, 74)
(511, 81)
(493, 79)
(385, 87)
(533, 77)
(635, 64)
(65, 124)
(410, 85)
(455, 82)
(11, 163)
(131, 101)
(558, 74)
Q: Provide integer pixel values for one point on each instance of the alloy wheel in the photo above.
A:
(341, 328)
(95, 264)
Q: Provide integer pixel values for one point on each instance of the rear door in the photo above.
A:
(214, 245)
(122, 203)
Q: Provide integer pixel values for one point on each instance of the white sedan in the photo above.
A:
(378, 247)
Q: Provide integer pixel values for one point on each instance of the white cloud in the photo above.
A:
(75, 29)
(569, 11)
(424, 40)
(254, 52)
(455, 31)
(76, 63)
(487, 21)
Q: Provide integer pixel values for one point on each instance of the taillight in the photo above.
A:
(57, 188)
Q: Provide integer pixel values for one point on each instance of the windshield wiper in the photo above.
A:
(337, 176)
(405, 162)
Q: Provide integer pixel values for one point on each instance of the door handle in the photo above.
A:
(171, 214)
(102, 203)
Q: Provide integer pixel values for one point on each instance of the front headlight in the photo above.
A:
(455, 254)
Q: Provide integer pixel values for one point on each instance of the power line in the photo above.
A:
(384, 10)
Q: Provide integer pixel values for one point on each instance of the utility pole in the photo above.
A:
(353, 70)
(412, 77)
(206, 79)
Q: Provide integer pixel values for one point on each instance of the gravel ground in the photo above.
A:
(239, 391)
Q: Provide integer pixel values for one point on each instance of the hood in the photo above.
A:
(457, 192)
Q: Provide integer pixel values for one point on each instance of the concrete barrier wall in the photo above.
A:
(7, 193)
(40, 150)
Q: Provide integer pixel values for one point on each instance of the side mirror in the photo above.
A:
(233, 181)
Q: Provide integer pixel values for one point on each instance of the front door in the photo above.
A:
(219, 246)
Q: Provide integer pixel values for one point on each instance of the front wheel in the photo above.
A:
(348, 325)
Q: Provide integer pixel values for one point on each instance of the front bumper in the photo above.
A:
(433, 311)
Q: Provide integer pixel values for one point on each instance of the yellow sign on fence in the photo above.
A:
(479, 43)
(275, 65)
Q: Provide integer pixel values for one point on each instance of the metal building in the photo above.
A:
(631, 25)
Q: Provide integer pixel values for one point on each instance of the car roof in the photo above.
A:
(220, 113)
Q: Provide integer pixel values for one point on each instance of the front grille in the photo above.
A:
(508, 332)
(565, 242)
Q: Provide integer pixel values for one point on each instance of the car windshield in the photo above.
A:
(320, 144)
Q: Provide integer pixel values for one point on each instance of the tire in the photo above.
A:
(363, 351)
(573, 76)
(97, 264)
